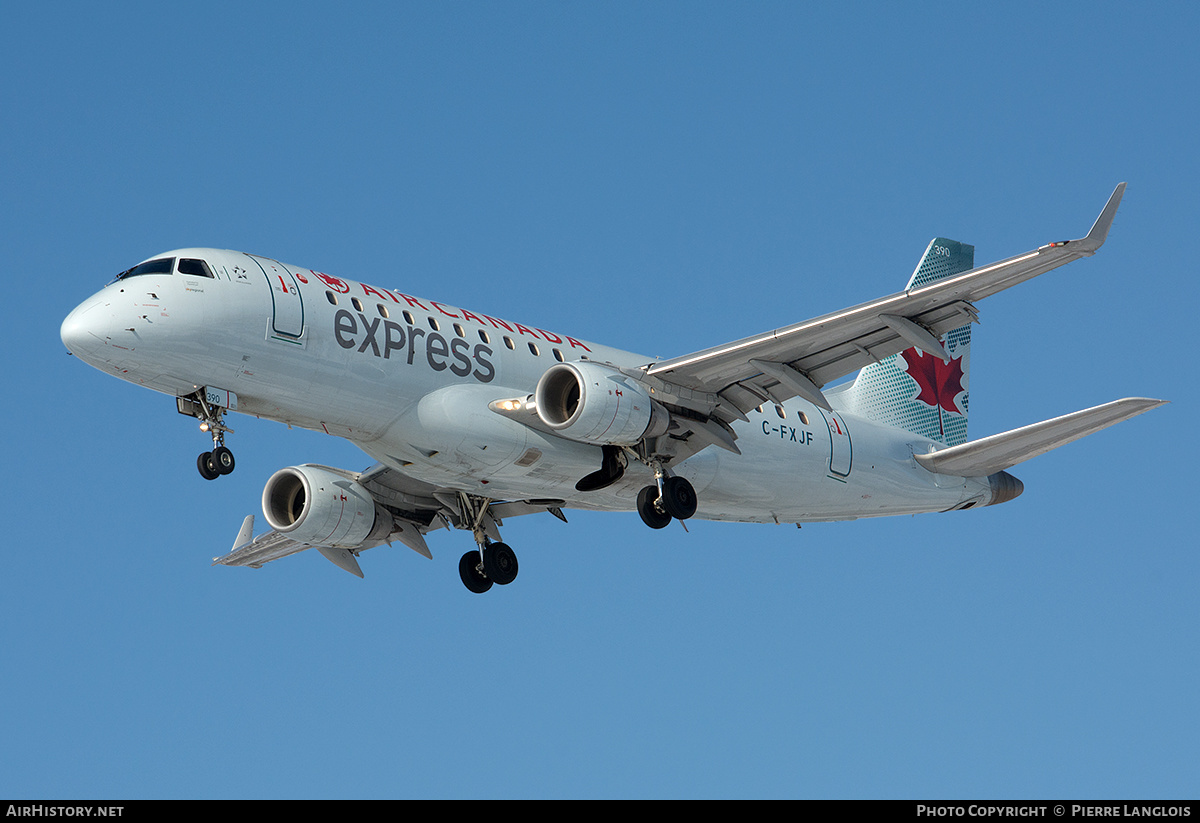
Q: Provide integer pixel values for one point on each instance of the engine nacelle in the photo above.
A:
(322, 508)
(595, 404)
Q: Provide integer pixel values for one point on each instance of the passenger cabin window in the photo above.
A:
(198, 268)
(163, 265)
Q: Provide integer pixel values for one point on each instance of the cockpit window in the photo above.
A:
(162, 265)
(197, 267)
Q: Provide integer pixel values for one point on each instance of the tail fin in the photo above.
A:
(915, 391)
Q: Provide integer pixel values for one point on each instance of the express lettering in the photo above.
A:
(386, 338)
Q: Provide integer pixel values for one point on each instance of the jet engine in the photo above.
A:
(322, 508)
(596, 404)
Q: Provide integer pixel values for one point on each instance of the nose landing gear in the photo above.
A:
(215, 463)
(219, 461)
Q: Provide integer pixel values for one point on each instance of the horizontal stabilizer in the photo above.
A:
(980, 458)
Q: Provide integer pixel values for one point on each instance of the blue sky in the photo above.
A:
(662, 177)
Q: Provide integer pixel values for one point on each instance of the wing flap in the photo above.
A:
(342, 558)
(980, 458)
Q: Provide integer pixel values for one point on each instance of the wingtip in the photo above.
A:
(1143, 404)
(1129, 407)
(1099, 231)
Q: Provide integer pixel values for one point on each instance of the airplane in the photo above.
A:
(472, 419)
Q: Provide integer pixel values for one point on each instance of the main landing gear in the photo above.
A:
(669, 498)
(490, 563)
(493, 563)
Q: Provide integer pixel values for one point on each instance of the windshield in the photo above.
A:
(188, 265)
(162, 265)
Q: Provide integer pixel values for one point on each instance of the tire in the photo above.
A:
(500, 564)
(679, 498)
(651, 516)
(472, 578)
(206, 466)
(222, 460)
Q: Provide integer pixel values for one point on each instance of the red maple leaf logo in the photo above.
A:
(940, 382)
(334, 283)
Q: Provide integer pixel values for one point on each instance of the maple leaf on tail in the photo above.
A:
(939, 382)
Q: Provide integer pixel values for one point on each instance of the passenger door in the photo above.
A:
(287, 313)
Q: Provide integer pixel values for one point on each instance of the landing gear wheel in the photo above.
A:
(207, 467)
(222, 460)
(678, 498)
(651, 516)
(500, 563)
(472, 577)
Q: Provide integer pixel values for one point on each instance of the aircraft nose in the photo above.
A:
(94, 332)
(74, 332)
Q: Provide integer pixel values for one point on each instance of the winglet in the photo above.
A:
(1096, 237)
(245, 534)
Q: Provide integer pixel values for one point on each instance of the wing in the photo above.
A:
(728, 381)
(273, 545)
(415, 509)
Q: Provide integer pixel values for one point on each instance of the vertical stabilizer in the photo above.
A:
(914, 390)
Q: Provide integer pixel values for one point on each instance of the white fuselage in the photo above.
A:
(409, 380)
